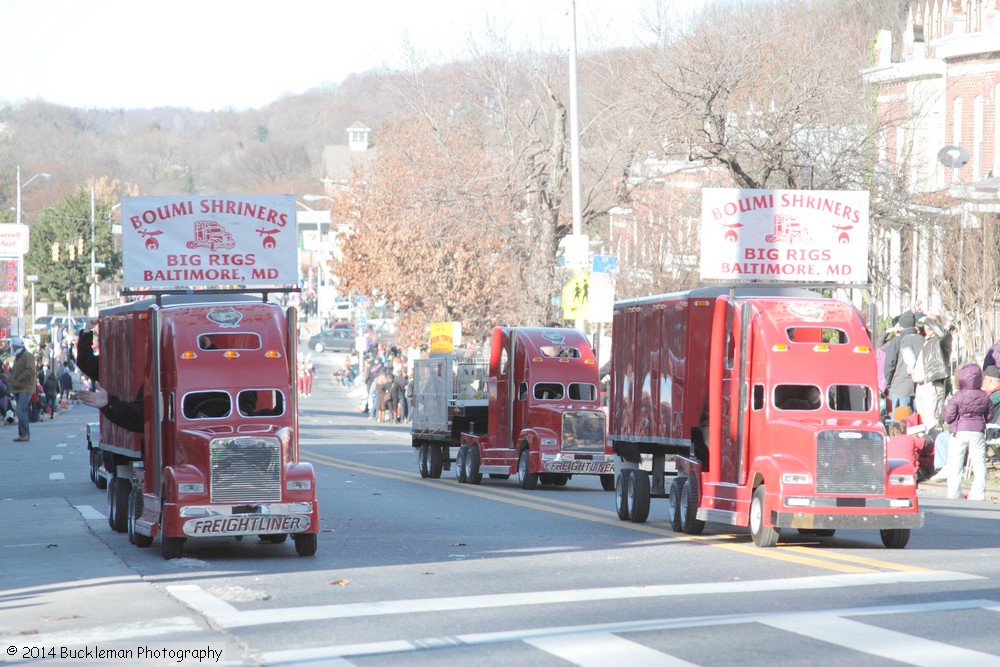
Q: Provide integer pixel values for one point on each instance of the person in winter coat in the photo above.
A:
(22, 384)
(931, 373)
(51, 386)
(900, 359)
(966, 415)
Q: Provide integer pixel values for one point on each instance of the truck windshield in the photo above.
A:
(581, 391)
(561, 351)
(260, 402)
(207, 405)
(229, 341)
(797, 397)
(828, 335)
(850, 397)
(548, 391)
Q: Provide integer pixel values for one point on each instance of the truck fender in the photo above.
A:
(182, 474)
(300, 472)
(900, 467)
(534, 455)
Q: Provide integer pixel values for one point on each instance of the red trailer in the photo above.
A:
(766, 402)
(219, 455)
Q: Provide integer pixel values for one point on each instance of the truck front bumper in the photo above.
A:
(821, 521)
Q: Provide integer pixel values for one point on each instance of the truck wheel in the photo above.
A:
(763, 536)
(171, 547)
(305, 544)
(460, 465)
(895, 538)
(674, 504)
(638, 496)
(435, 461)
(608, 482)
(422, 455)
(499, 475)
(280, 538)
(472, 462)
(118, 492)
(527, 480)
(689, 508)
(621, 493)
(134, 512)
(560, 480)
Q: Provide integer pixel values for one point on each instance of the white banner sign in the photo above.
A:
(209, 242)
(13, 239)
(811, 236)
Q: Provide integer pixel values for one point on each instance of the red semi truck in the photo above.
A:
(766, 401)
(219, 455)
(532, 410)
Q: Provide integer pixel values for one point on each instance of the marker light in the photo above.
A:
(273, 354)
(780, 347)
(863, 349)
(822, 347)
(230, 354)
(188, 355)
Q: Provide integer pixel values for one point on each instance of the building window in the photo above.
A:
(977, 138)
(956, 130)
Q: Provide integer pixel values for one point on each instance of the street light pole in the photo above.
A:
(20, 259)
(93, 257)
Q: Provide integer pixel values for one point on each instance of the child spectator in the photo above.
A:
(966, 415)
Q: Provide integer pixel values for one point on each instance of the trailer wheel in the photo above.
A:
(608, 482)
(435, 462)
(305, 544)
(171, 547)
(527, 480)
(560, 480)
(134, 512)
(422, 454)
(118, 492)
(638, 496)
(674, 504)
(95, 470)
(621, 493)
(895, 538)
(689, 508)
(473, 460)
(763, 536)
(460, 465)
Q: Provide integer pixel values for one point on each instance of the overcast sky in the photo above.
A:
(216, 54)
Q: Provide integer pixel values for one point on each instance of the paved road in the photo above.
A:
(432, 572)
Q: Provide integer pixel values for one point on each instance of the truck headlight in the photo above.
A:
(298, 484)
(902, 480)
(190, 487)
(796, 478)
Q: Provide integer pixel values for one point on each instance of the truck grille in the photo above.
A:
(850, 462)
(583, 432)
(245, 470)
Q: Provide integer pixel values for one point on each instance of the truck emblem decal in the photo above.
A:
(554, 337)
(225, 317)
(212, 235)
(806, 311)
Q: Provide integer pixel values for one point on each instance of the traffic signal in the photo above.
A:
(79, 246)
(55, 251)
(72, 252)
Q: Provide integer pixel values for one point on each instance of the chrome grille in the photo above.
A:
(245, 470)
(850, 462)
(583, 432)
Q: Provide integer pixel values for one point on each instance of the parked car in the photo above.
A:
(334, 340)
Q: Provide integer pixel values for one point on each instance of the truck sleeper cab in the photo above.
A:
(213, 460)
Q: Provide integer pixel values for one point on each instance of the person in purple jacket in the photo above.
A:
(966, 415)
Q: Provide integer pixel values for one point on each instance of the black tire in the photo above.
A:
(280, 538)
(895, 538)
(305, 544)
(435, 462)
(499, 475)
(763, 536)
(118, 492)
(422, 463)
(171, 547)
(472, 462)
(527, 480)
(674, 504)
(560, 480)
(134, 513)
(460, 465)
(545, 478)
(689, 508)
(638, 496)
(621, 493)
(608, 482)
(318, 347)
(825, 532)
(96, 459)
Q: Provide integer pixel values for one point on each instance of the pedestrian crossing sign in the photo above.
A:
(576, 297)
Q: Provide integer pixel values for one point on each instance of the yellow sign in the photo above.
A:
(444, 337)
(576, 297)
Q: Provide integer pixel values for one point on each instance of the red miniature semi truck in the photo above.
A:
(219, 455)
(766, 401)
(531, 410)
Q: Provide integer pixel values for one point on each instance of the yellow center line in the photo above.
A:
(790, 554)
